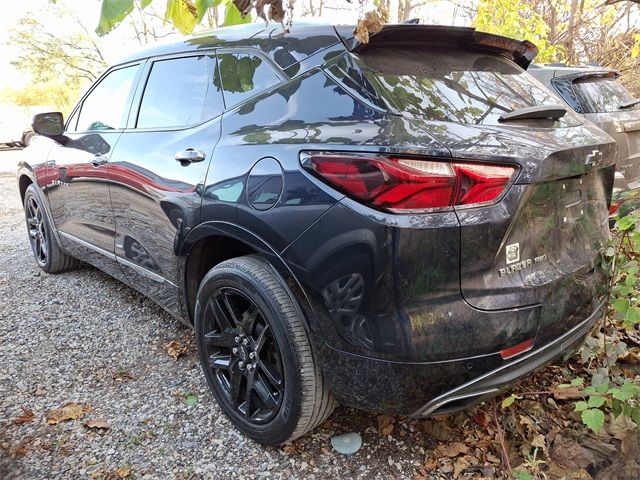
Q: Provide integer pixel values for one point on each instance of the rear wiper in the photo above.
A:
(629, 104)
(549, 111)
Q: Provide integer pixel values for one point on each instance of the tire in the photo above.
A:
(26, 138)
(244, 307)
(44, 247)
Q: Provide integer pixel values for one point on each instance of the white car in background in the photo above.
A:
(15, 124)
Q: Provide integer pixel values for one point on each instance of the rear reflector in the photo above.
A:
(410, 185)
(516, 349)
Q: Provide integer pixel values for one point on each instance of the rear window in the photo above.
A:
(600, 95)
(442, 84)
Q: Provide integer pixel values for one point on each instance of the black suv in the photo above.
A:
(405, 226)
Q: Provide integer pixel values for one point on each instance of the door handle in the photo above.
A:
(99, 160)
(189, 156)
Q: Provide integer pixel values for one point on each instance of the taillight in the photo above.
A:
(409, 185)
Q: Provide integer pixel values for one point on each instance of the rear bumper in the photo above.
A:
(491, 383)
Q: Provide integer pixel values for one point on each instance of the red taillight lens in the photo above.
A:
(410, 185)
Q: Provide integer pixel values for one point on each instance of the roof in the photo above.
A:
(306, 38)
(286, 49)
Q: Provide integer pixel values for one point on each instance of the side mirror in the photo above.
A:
(48, 124)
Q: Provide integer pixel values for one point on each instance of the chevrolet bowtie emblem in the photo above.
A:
(593, 158)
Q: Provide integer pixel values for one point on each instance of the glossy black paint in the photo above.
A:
(401, 308)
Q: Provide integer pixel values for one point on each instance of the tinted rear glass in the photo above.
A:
(599, 95)
(442, 84)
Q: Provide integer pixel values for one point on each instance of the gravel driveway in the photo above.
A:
(83, 337)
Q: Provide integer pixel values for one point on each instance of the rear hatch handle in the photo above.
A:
(629, 104)
(549, 111)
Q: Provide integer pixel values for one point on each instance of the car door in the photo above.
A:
(78, 168)
(159, 166)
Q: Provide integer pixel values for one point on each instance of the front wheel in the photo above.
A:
(256, 353)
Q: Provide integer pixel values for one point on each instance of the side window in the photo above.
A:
(244, 75)
(107, 105)
(180, 92)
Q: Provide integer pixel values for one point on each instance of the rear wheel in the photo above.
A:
(256, 353)
(46, 251)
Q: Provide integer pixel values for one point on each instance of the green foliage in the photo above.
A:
(635, 50)
(515, 18)
(593, 418)
(59, 67)
(232, 16)
(181, 14)
(184, 15)
(610, 391)
(112, 13)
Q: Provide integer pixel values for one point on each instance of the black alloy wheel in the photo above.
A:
(48, 254)
(37, 231)
(243, 355)
(255, 351)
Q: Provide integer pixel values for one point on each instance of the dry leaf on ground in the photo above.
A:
(572, 455)
(70, 411)
(123, 472)
(451, 450)
(26, 416)
(98, 424)
(568, 393)
(176, 349)
(385, 424)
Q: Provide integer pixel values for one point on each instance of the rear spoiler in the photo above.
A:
(577, 77)
(521, 52)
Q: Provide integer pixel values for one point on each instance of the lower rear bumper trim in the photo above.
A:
(492, 382)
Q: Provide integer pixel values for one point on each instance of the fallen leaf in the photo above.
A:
(451, 450)
(123, 375)
(123, 472)
(26, 416)
(70, 411)
(370, 24)
(481, 419)
(98, 424)
(459, 466)
(176, 349)
(568, 393)
(438, 430)
(385, 424)
(621, 426)
(570, 454)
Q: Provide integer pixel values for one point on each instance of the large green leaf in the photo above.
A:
(145, 3)
(203, 5)
(182, 15)
(112, 13)
(232, 16)
(593, 418)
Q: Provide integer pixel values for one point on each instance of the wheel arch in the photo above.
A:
(210, 243)
(24, 181)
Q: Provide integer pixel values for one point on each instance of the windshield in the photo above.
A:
(443, 84)
(600, 95)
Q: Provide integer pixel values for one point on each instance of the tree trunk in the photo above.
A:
(571, 31)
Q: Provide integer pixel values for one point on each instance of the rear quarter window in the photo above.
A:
(442, 84)
(601, 95)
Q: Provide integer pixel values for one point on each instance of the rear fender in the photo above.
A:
(235, 232)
